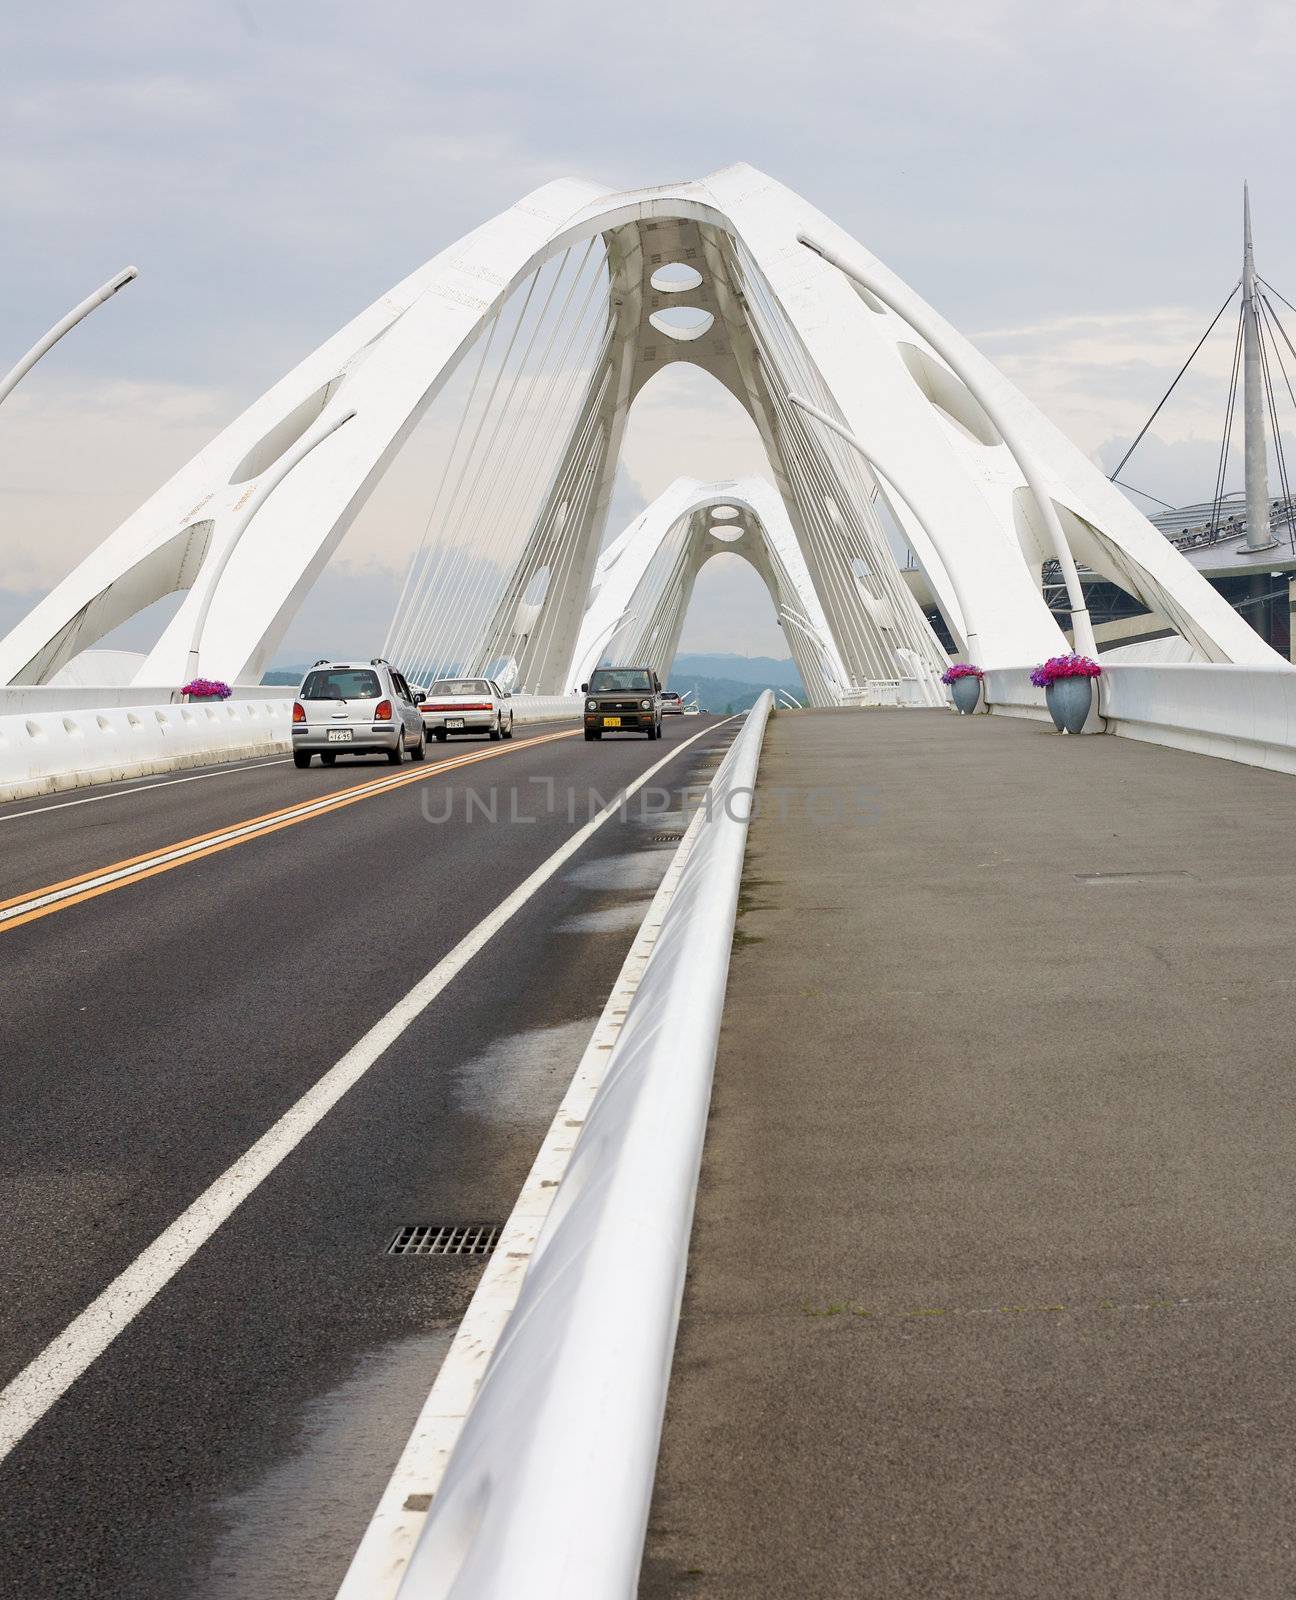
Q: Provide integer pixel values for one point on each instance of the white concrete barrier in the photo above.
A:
(50, 751)
(1009, 691)
(45, 749)
(547, 1492)
(1241, 713)
(545, 707)
(45, 697)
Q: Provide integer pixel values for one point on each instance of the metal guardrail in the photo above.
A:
(548, 1489)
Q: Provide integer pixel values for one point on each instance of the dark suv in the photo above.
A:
(623, 700)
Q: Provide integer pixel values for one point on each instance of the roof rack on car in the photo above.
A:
(379, 661)
(322, 662)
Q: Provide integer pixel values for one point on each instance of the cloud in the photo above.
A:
(1067, 179)
(1099, 377)
(79, 455)
(732, 610)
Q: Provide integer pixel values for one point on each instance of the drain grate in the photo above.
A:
(667, 838)
(450, 1239)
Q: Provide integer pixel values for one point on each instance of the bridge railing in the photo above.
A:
(47, 748)
(1241, 713)
(547, 1492)
(41, 697)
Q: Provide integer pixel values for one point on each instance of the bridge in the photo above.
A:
(836, 1150)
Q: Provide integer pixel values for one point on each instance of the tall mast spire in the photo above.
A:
(1258, 536)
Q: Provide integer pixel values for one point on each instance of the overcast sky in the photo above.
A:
(1062, 183)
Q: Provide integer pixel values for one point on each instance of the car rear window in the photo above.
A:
(460, 686)
(341, 683)
(620, 678)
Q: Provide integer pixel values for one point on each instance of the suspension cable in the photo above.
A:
(1279, 453)
(1139, 436)
(1134, 489)
(1228, 424)
(486, 340)
(450, 567)
(473, 602)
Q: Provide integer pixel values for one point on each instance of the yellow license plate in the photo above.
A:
(611, 722)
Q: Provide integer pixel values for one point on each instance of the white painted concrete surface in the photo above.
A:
(380, 1561)
(46, 752)
(1240, 713)
(1244, 714)
(548, 1490)
(782, 320)
(47, 749)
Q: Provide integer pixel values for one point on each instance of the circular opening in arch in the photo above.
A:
(675, 278)
(723, 513)
(726, 535)
(682, 322)
(950, 395)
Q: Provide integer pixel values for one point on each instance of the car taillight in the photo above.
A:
(383, 711)
(299, 711)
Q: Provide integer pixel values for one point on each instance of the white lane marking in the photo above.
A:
(25, 1400)
(379, 1563)
(146, 788)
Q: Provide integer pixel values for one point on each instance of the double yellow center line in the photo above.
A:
(38, 903)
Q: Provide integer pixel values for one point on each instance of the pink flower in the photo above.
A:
(1064, 667)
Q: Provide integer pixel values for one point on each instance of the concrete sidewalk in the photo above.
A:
(991, 1289)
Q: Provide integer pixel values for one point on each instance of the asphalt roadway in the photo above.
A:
(991, 1288)
(233, 1438)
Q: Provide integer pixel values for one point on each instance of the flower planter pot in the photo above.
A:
(1069, 700)
(966, 694)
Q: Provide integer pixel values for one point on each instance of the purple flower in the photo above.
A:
(207, 689)
(961, 669)
(1064, 667)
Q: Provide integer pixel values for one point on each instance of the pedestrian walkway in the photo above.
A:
(991, 1290)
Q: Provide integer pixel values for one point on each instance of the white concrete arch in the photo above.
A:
(644, 582)
(782, 320)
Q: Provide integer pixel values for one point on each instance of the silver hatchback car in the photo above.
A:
(346, 708)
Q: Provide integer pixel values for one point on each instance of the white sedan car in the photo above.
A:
(466, 705)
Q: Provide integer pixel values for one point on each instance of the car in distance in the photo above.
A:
(672, 704)
(466, 705)
(622, 700)
(355, 708)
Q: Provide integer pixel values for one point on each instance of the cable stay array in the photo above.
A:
(1260, 388)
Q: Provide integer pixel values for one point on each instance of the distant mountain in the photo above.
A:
(764, 670)
(723, 695)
